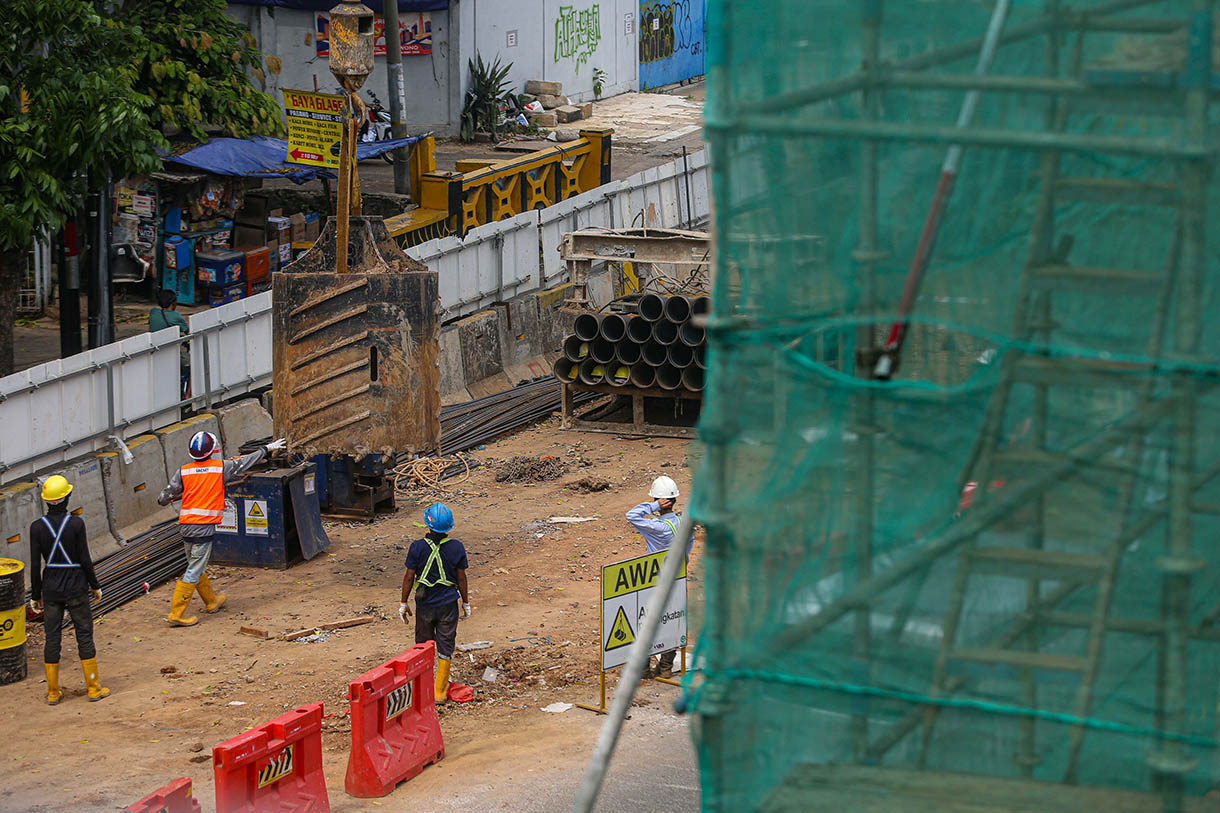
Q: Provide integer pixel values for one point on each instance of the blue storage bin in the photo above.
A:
(220, 267)
(178, 253)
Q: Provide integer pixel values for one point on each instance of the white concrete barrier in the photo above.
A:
(132, 488)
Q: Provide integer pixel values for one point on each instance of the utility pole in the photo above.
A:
(68, 261)
(398, 94)
(101, 303)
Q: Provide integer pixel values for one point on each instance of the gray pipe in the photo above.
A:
(669, 377)
(664, 332)
(575, 348)
(586, 326)
(643, 375)
(628, 352)
(652, 307)
(680, 355)
(565, 369)
(639, 329)
(655, 353)
(700, 306)
(701, 357)
(618, 374)
(691, 334)
(692, 379)
(591, 372)
(601, 350)
(677, 309)
(613, 327)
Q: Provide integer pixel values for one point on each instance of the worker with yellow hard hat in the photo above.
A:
(66, 585)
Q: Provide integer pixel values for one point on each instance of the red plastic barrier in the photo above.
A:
(173, 798)
(395, 730)
(276, 766)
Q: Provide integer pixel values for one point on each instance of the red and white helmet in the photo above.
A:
(203, 445)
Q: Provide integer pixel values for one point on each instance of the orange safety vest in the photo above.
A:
(203, 492)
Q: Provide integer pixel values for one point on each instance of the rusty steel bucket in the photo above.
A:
(355, 354)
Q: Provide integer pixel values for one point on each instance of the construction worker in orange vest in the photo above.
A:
(201, 485)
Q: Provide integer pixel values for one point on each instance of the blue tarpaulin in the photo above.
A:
(327, 5)
(262, 157)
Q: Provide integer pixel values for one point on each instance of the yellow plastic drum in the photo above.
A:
(12, 621)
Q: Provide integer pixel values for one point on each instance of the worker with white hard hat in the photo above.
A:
(66, 585)
(201, 486)
(657, 521)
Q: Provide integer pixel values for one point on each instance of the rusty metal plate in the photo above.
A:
(355, 355)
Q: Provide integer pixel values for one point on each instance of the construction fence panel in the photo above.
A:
(492, 263)
(231, 349)
(69, 407)
(595, 209)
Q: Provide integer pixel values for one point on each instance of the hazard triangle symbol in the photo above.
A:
(256, 511)
(620, 634)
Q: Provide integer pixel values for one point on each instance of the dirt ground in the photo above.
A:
(534, 590)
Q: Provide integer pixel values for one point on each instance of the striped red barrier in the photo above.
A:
(395, 730)
(173, 798)
(276, 766)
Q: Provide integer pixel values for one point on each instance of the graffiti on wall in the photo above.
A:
(666, 28)
(578, 32)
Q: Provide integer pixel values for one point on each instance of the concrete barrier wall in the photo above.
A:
(132, 488)
(176, 438)
(241, 423)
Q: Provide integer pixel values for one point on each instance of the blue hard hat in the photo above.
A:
(438, 518)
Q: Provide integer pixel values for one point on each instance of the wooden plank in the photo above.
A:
(254, 632)
(1036, 563)
(331, 625)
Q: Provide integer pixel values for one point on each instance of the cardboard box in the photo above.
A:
(298, 227)
(279, 229)
(273, 254)
(313, 227)
(277, 212)
(285, 252)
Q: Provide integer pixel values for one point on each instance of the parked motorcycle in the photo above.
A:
(377, 126)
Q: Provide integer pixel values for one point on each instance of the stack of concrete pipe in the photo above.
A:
(653, 345)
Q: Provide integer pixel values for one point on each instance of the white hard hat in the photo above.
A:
(663, 488)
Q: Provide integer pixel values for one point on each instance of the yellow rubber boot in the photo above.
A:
(54, 694)
(442, 680)
(92, 681)
(212, 601)
(182, 597)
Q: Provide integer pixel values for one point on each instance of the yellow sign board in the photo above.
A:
(276, 769)
(315, 125)
(633, 575)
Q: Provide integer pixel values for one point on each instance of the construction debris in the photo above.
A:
(330, 626)
(522, 469)
(254, 632)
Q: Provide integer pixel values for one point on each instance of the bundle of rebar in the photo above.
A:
(157, 556)
(649, 342)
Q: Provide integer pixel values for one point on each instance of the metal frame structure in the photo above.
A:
(1017, 647)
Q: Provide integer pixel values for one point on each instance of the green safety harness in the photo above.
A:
(434, 558)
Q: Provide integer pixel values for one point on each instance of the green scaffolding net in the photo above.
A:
(984, 560)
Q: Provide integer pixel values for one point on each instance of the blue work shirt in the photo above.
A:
(657, 534)
(453, 559)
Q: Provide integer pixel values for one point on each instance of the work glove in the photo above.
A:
(403, 611)
(276, 445)
(96, 594)
(36, 604)
(466, 610)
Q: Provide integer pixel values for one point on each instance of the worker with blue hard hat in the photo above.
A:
(436, 568)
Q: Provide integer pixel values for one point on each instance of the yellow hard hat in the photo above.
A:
(56, 488)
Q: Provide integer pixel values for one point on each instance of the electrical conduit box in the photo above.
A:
(271, 520)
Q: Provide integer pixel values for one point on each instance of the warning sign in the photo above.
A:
(620, 631)
(626, 590)
(256, 517)
(228, 523)
(315, 124)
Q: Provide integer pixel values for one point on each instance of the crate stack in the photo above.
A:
(651, 343)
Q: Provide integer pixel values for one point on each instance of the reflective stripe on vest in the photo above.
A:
(56, 545)
(434, 557)
(203, 493)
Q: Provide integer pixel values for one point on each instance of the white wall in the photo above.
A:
(433, 103)
(535, 55)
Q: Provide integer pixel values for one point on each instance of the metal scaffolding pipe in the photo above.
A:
(680, 355)
(664, 332)
(692, 379)
(652, 307)
(586, 326)
(575, 348)
(669, 377)
(655, 354)
(643, 375)
(592, 372)
(613, 327)
(628, 352)
(677, 309)
(639, 329)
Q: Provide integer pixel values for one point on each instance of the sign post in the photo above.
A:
(625, 590)
(315, 128)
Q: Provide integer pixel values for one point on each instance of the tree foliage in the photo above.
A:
(84, 114)
(195, 63)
